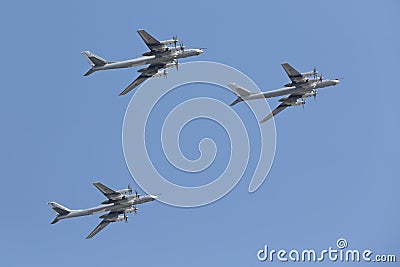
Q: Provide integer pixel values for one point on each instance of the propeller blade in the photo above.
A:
(315, 72)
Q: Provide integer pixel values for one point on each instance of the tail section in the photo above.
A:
(60, 210)
(240, 92)
(94, 61)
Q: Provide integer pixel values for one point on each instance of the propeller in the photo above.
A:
(302, 102)
(320, 77)
(315, 72)
(135, 210)
(182, 47)
(130, 189)
(136, 194)
(165, 73)
(315, 94)
(125, 218)
(175, 38)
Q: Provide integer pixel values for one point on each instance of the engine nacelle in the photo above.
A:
(130, 210)
(310, 94)
(167, 42)
(127, 191)
(309, 73)
(173, 41)
(170, 65)
(299, 102)
(121, 217)
(161, 73)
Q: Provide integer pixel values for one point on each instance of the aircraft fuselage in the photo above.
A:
(144, 60)
(299, 89)
(128, 201)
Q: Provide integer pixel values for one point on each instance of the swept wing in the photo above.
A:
(108, 192)
(146, 73)
(152, 43)
(113, 216)
(293, 74)
(287, 102)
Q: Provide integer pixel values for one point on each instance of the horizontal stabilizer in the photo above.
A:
(55, 220)
(239, 99)
(89, 72)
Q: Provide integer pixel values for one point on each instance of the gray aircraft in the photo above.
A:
(160, 57)
(118, 204)
(300, 87)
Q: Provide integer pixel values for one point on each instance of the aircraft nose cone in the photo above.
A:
(337, 81)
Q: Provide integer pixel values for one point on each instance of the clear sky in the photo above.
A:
(335, 172)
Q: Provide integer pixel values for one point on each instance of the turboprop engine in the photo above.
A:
(299, 102)
(310, 94)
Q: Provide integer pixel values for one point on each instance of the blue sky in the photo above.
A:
(335, 172)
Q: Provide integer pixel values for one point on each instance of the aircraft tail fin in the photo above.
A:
(240, 92)
(59, 209)
(94, 61)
